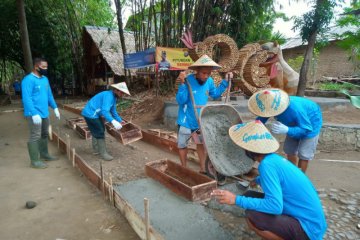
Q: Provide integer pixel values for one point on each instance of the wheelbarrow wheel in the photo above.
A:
(212, 173)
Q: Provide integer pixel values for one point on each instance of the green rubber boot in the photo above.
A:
(33, 148)
(102, 150)
(44, 152)
(95, 146)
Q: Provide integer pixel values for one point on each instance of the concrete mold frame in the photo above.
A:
(144, 230)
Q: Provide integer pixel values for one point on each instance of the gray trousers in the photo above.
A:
(38, 131)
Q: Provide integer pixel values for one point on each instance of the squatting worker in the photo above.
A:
(297, 117)
(202, 86)
(103, 104)
(37, 97)
(289, 207)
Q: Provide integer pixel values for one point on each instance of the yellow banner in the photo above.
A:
(172, 59)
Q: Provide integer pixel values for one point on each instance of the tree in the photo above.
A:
(311, 24)
(25, 43)
(350, 42)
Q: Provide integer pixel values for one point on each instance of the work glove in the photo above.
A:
(279, 128)
(57, 113)
(36, 119)
(116, 124)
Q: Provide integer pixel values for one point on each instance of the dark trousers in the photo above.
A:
(38, 131)
(284, 226)
(96, 127)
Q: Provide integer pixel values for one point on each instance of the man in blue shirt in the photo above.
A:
(37, 97)
(103, 104)
(297, 117)
(17, 87)
(202, 86)
(289, 207)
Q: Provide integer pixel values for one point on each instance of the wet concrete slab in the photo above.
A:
(172, 216)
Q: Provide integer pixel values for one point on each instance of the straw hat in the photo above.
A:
(205, 61)
(269, 102)
(122, 87)
(254, 136)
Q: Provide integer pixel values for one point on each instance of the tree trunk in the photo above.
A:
(120, 25)
(25, 43)
(306, 65)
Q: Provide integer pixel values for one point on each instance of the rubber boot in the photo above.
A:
(33, 148)
(44, 152)
(95, 146)
(102, 150)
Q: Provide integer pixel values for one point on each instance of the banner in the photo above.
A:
(140, 59)
(172, 58)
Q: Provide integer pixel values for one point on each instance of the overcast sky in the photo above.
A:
(297, 8)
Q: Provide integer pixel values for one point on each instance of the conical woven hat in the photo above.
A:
(205, 61)
(254, 136)
(122, 87)
(269, 102)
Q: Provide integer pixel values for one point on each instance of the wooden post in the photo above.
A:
(73, 157)
(147, 220)
(68, 146)
(50, 133)
(58, 139)
(111, 190)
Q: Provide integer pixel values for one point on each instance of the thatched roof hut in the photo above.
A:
(103, 56)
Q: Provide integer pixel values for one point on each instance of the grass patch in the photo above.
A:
(336, 86)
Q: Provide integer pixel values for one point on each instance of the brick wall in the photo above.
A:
(333, 60)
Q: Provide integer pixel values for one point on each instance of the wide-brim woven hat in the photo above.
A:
(122, 87)
(254, 136)
(269, 102)
(205, 61)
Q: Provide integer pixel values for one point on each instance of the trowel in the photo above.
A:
(242, 185)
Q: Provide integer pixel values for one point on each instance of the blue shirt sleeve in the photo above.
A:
(26, 92)
(107, 104)
(115, 114)
(51, 100)
(272, 203)
(303, 126)
(215, 92)
(182, 94)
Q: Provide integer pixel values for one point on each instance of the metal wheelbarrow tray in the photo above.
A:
(226, 157)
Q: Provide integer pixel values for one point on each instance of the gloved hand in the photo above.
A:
(57, 113)
(279, 128)
(116, 124)
(37, 119)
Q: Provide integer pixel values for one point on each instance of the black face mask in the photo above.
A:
(201, 82)
(250, 154)
(42, 71)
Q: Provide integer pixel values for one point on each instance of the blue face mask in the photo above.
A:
(201, 82)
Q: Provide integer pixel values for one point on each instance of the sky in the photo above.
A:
(296, 8)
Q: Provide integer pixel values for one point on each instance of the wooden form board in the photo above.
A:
(80, 126)
(134, 218)
(127, 134)
(182, 181)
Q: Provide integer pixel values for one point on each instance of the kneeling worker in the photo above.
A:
(290, 207)
(103, 104)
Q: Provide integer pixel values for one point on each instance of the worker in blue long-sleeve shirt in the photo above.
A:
(297, 117)
(103, 104)
(36, 98)
(289, 207)
(202, 86)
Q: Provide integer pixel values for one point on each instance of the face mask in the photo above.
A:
(200, 82)
(42, 71)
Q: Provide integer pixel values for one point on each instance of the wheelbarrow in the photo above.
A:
(225, 158)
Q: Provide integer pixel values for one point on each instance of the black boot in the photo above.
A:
(43, 148)
(33, 148)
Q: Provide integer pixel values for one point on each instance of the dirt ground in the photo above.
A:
(68, 207)
(66, 201)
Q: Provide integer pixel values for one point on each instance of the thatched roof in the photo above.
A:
(108, 43)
